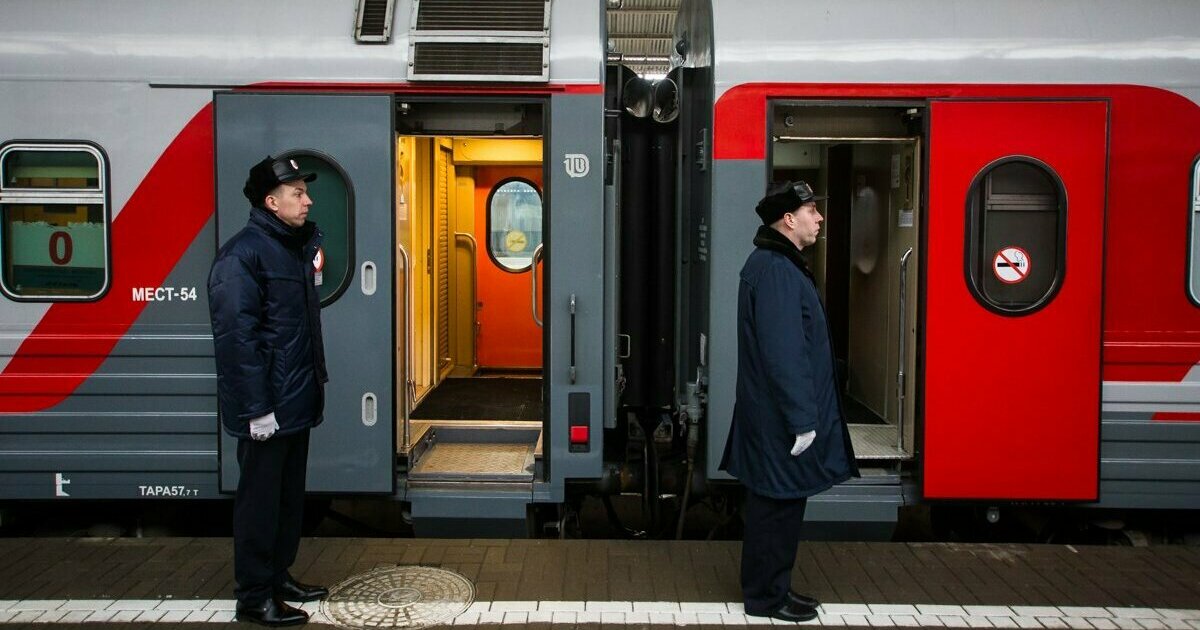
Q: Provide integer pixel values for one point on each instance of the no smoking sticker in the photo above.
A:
(1011, 265)
(319, 267)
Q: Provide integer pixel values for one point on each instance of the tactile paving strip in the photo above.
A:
(398, 597)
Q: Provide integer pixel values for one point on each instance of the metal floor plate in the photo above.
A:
(876, 441)
(476, 462)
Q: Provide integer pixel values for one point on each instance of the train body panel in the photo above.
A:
(109, 391)
(861, 54)
(863, 42)
(232, 44)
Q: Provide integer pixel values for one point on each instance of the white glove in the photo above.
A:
(263, 427)
(803, 441)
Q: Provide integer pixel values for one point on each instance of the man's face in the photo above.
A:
(806, 223)
(290, 202)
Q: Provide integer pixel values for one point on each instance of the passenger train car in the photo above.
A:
(531, 253)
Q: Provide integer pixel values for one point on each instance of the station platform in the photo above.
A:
(130, 582)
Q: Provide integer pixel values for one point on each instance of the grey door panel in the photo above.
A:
(349, 453)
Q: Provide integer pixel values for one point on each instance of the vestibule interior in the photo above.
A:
(866, 159)
(468, 217)
(469, 354)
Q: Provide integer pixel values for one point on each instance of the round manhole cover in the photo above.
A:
(398, 597)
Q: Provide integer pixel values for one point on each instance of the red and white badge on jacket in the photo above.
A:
(318, 267)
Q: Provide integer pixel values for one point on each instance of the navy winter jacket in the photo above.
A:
(786, 382)
(266, 320)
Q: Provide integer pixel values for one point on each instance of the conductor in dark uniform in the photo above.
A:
(788, 439)
(266, 321)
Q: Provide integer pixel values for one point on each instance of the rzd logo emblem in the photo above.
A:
(577, 164)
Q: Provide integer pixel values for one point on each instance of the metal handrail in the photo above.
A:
(903, 359)
(473, 246)
(406, 404)
(537, 254)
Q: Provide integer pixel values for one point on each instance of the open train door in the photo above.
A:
(1013, 299)
(348, 140)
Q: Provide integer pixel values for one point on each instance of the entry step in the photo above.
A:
(476, 451)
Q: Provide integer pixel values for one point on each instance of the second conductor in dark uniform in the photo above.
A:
(266, 321)
(788, 439)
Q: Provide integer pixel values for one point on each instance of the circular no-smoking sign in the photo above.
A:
(1011, 265)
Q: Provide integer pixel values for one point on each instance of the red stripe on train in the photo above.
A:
(149, 236)
(1154, 137)
(1176, 416)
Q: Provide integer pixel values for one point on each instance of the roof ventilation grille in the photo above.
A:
(480, 40)
(373, 21)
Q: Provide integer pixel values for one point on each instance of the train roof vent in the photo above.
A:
(480, 40)
(373, 22)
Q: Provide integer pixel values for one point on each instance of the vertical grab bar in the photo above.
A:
(571, 370)
(902, 356)
(406, 404)
(474, 248)
(537, 254)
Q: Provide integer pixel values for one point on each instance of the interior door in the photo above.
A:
(351, 136)
(508, 228)
(1012, 393)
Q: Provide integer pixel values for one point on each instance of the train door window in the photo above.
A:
(54, 222)
(1016, 236)
(332, 211)
(514, 215)
(1194, 251)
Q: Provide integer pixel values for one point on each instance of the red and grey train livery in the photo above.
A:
(530, 252)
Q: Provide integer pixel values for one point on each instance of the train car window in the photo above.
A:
(514, 215)
(54, 222)
(333, 212)
(1016, 235)
(1194, 230)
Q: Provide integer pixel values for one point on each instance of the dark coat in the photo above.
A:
(786, 382)
(266, 320)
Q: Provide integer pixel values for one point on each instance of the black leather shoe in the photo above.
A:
(272, 613)
(794, 612)
(803, 600)
(294, 591)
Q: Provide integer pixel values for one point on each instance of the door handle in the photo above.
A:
(537, 255)
(901, 383)
(472, 247)
(571, 370)
(406, 404)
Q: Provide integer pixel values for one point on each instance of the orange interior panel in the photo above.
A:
(508, 336)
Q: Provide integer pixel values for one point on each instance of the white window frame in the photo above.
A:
(58, 196)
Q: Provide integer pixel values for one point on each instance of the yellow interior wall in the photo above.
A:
(419, 217)
(497, 151)
(417, 228)
(403, 173)
(462, 272)
(442, 243)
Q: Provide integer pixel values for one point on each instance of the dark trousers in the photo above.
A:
(267, 513)
(772, 534)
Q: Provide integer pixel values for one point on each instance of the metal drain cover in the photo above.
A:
(398, 597)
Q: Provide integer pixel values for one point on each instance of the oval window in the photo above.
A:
(1016, 235)
(333, 211)
(514, 223)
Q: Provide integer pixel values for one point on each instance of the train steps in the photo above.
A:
(472, 478)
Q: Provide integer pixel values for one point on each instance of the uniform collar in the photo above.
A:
(768, 237)
(288, 235)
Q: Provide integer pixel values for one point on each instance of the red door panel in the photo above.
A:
(508, 336)
(1012, 402)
